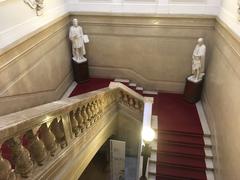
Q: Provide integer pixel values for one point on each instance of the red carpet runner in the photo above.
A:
(180, 154)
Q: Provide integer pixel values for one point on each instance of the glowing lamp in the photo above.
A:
(148, 134)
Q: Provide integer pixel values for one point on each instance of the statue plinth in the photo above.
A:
(193, 90)
(80, 70)
(192, 78)
(81, 60)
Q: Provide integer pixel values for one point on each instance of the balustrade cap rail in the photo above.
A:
(18, 122)
(29, 138)
(114, 85)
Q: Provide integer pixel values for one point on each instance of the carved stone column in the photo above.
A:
(21, 157)
(57, 129)
(48, 139)
(36, 148)
(6, 172)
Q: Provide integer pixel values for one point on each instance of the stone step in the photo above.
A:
(207, 141)
(132, 84)
(152, 168)
(210, 175)
(150, 92)
(121, 80)
(139, 88)
(208, 152)
(151, 177)
(154, 145)
(155, 122)
(153, 157)
(209, 164)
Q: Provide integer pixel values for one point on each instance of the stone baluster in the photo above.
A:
(141, 106)
(92, 107)
(136, 104)
(6, 171)
(125, 99)
(21, 157)
(130, 102)
(85, 117)
(100, 104)
(48, 139)
(57, 129)
(36, 147)
(80, 120)
(96, 110)
(90, 114)
(74, 123)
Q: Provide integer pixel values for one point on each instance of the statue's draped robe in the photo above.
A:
(76, 36)
(199, 57)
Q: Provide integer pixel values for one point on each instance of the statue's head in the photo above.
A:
(200, 41)
(75, 22)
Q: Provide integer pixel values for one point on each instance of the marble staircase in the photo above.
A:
(208, 155)
(179, 146)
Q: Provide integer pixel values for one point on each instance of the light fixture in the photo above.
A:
(148, 134)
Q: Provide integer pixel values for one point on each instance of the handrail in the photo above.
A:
(29, 137)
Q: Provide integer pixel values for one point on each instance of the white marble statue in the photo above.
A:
(198, 62)
(78, 39)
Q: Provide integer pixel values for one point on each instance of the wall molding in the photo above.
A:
(163, 85)
(33, 41)
(230, 20)
(153, 7)
(17, 34)
(20, 32)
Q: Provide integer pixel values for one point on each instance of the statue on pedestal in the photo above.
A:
(78, 39)
(198, 62)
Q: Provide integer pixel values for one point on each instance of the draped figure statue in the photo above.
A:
(78, 39)
(198, 61)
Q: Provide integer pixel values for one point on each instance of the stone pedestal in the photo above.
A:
(80, 71)
(193, 90)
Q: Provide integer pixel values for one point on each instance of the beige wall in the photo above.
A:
(154, 52)
(36, 71)
(17, 20)
(229, 14)
(22, 12)
(221, 102)
(129, 130)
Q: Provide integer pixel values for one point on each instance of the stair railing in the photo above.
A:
(36, 142)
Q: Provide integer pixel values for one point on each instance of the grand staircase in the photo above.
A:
(182, 150)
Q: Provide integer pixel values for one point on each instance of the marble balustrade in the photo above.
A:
(34, 140)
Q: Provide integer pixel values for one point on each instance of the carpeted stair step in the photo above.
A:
(189, 141)
(180, 133)
(182, 162)
(183, 151)
(168, 173)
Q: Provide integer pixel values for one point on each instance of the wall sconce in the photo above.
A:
(148, 136)
(37, 5)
